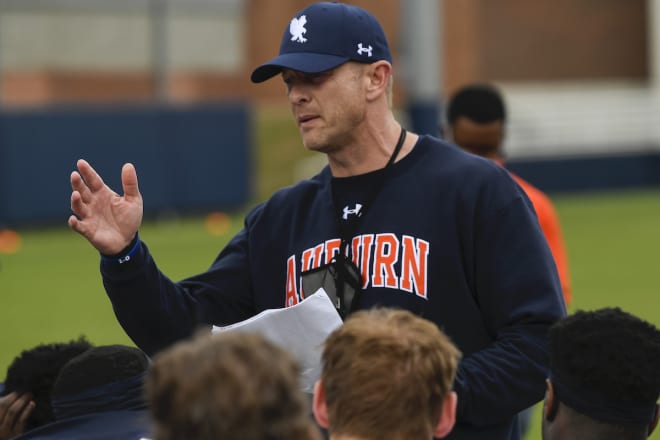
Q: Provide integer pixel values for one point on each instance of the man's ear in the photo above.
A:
(551, 403)
(379, 76)
(447, 416)
(654, 421)
(319, 406)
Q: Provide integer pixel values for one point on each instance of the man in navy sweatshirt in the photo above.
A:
(397, 219)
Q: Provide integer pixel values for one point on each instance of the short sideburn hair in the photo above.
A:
(230, 386)
(386, 373)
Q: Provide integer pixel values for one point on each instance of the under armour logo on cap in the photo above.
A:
(325, 35)
(366, 50)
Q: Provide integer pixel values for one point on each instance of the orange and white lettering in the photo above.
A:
(355, 249)
(311, 258)
(291, 298)
(376, 256)
(414, 275)
(331, 249)
(318, 252)
(386, 254)
(366, 241)
(306, 260)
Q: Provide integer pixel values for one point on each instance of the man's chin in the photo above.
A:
(314, 145)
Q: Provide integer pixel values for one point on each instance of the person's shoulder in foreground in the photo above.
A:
(604, 382)
(230, 386)
(387, 374)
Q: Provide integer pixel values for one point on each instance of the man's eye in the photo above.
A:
(305, 78)
(317, 78)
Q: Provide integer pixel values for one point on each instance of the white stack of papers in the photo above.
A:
(300, 329)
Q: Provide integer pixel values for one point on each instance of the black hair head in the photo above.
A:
(35, 371)
(480, 103)
(100, 366)
(609, 353)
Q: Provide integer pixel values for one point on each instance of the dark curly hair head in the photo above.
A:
(607, 353)
(35, 371)
(100, 366)
(480, 103)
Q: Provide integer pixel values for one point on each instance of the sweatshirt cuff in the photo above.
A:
(126, 254)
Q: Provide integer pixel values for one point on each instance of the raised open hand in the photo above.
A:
(106, 219)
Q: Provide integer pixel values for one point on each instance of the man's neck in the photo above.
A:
(349, 437)
(355, 437)
(346, 437)
(594, 431)
(370, 153)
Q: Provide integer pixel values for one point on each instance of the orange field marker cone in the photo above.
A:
(217, 223)
(10, 241)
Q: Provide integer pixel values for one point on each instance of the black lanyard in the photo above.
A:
(346, 275)
(347, 228)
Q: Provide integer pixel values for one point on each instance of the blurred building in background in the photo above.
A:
(581, 77)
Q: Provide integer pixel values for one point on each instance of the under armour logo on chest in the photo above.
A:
(354, 211)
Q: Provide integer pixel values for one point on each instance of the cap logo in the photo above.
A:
(361, 50)
(297, 29)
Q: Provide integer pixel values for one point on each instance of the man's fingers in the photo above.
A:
(6, 402)
(92, 179)
(78, 184)
(75, 224)
(12, 409)
(19, 427)
(78, 206)
(80, 212)
(129, 181)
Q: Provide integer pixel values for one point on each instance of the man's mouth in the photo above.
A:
(306, 118)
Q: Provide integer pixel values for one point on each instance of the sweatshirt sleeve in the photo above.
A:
(156, 312)
(519, 295)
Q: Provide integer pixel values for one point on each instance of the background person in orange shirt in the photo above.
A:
(477, 117)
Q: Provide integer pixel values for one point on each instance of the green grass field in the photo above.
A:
(51, 289)
(612, 241)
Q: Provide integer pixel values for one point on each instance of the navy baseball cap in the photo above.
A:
(325, 35)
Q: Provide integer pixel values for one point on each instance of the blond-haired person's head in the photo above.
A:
(387, 374)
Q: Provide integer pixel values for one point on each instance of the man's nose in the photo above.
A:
(297, 93)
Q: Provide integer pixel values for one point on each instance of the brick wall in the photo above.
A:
(503, 40)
